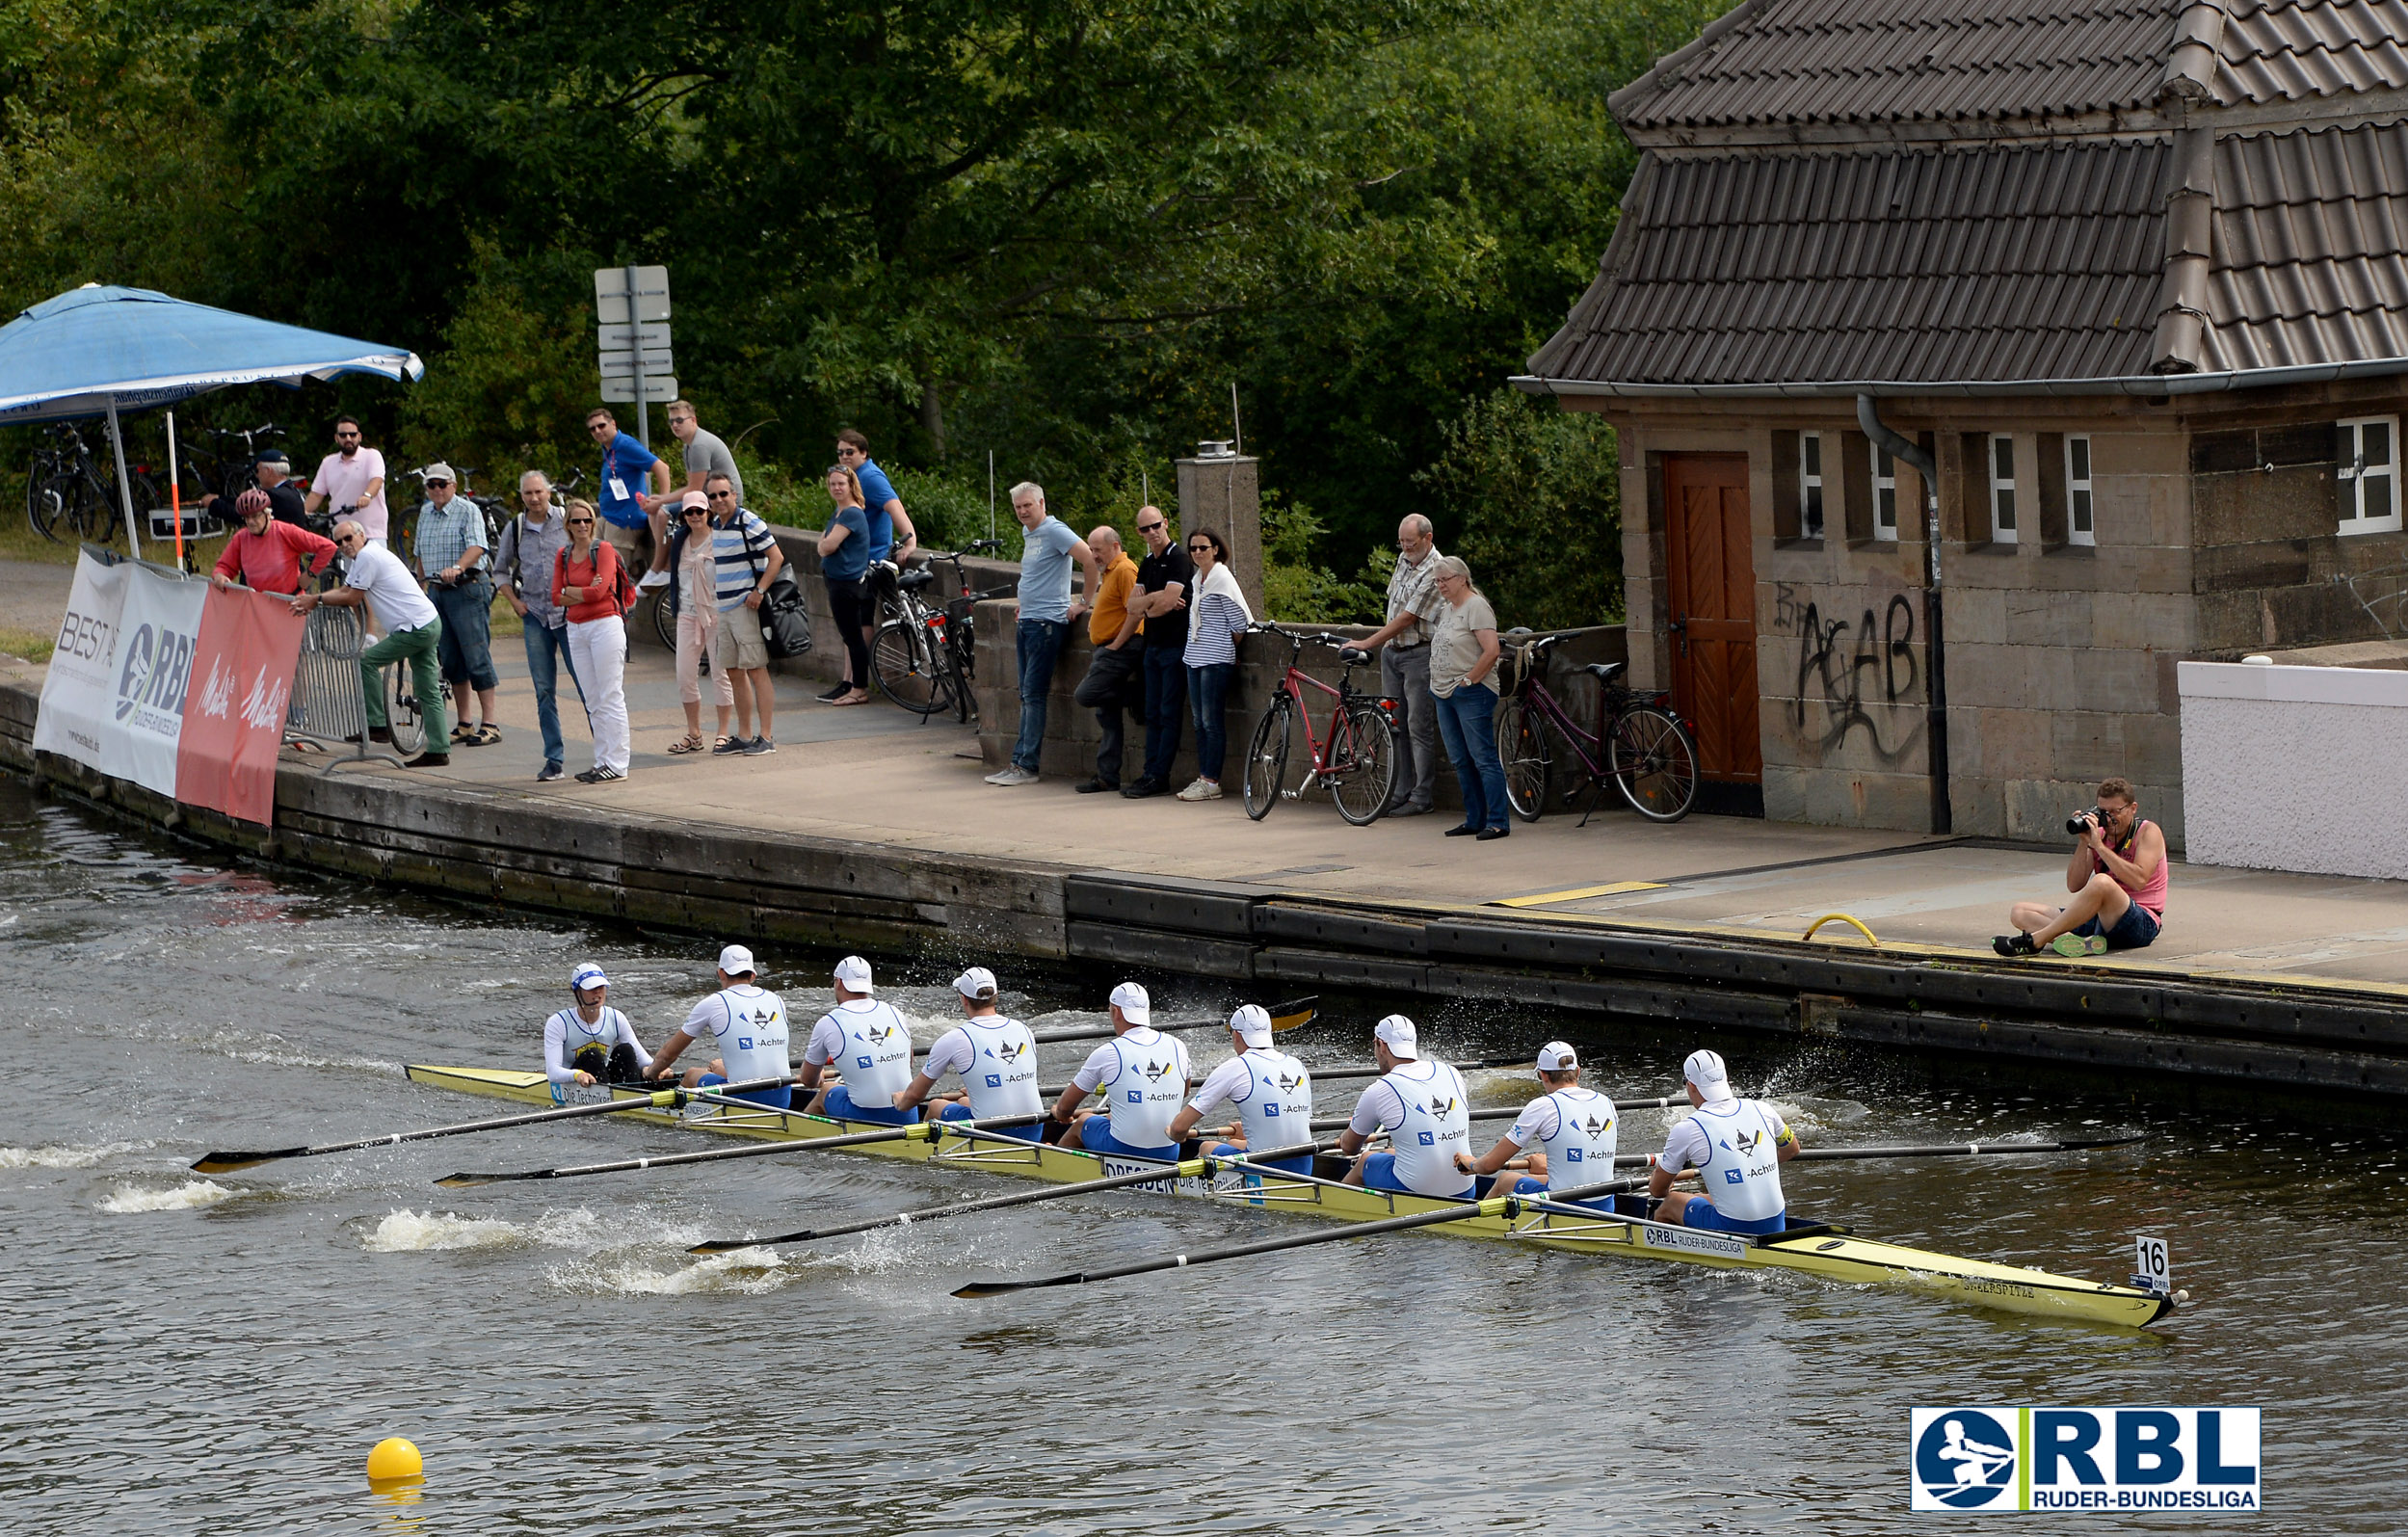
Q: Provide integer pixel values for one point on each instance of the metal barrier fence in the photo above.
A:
(330, 701)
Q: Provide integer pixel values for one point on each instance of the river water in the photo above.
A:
(217, 1354)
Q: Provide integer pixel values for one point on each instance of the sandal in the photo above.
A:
(483, 737)
(691, 742)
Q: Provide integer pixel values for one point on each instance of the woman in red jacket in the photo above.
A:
(586, 583)
(266, 555)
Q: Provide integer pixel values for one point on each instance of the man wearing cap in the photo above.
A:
(284, 499)
(1738, 1147)
(1142, 1074)
(1424, 1109)
(995, 1056)
(1568, 1131)
(1270, 1091)
(379, 581)
(747, 1026)
(868, 1044)
(591, 1042)
(449, 546)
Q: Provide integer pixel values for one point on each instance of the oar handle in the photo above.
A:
(1290, 1010)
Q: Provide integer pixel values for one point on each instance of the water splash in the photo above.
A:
(190, 1196)
(409, 1232)
(66, 1155)
(739, 1272)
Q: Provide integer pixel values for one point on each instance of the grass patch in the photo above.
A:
(20, 542)
(31, 645)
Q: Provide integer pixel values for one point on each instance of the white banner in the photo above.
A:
(76, 715)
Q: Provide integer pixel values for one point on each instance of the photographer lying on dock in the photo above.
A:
(2117, 876)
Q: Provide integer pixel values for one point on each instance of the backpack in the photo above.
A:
(623, 590)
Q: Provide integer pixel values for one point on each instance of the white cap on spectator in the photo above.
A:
(1135, 1004)
(692, 499)
(588, 975)
(1704, 1068)
(1252, 1024)
(853, 972)
(977, 984)
(1556, 1057)
(1398, 1032)
(438, 470)
(735, 960)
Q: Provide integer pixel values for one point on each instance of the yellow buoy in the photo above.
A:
(394, 1458)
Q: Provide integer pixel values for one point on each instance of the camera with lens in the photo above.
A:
(2079, 822)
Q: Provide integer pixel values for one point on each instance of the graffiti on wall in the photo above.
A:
(1851, 668)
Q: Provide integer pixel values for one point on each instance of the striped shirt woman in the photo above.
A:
(1216, 617)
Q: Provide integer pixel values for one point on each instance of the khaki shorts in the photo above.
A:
(736, 640)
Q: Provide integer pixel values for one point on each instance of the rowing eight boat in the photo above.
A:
(1831, 1253)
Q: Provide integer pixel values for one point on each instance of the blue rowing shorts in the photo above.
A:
(1095, 1134)
(1700, 1213)
(780, 1098)
(842, 1107)
(1301, 1163)
(1378, 1173)
(1034, 1131)
(1526, 1185)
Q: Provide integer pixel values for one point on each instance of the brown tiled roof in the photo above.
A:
(2310, 229)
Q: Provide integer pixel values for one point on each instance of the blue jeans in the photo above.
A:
(467, 649)
(1166, 710)
(1040, 648)
(1209, 690)
(547, 653)
(1467, 720)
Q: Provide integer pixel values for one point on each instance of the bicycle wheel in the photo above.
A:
(1654, 759)
(1361, 765)
(42, 500)
(664, 623)
(1266, 759)
(401, 713)
(1523, 747)
(90, 506)
(906, 669)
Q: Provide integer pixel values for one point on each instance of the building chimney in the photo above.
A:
(1217, 489)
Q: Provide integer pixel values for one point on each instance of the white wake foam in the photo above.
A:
(65, 1156)
(739, 1272)
(190, 1196)
(410, 1232)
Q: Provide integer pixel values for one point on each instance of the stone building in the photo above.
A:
(2111, 294)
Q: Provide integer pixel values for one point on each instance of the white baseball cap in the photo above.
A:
(853, 972)
(1398, 1032)
(588, 975)
(1135, 1004)
(1252, 1024)
(735, 960)
(1704, 1068)
(977, 984)
(1556, 1057)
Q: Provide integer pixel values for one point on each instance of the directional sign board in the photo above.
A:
(620, 389)
(621, 336)
(656, 360)
(610, 294)
(631, 316)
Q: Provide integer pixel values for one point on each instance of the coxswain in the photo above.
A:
(1142, 1075)
(1424, 1108)
(1270, 1091)
(995, 1056)
(592, 1042)
(1567, 1133)
(1738, 1147)
(864, 1044)
(746, 1026)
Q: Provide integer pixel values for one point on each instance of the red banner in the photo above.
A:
(242, 679)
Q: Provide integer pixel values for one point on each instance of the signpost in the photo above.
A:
(631, 314)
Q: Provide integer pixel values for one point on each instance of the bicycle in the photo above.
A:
(68, 484)
(225, 471)
(1357, 763)
(923, 658)
(1646, 749)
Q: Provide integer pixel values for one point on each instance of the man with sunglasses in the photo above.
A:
(705, 456)
(1160, 604)
(449, 546)
(627, 467)
(747, 560)
(351, 481)
(413, 634)
(2117, 878)
(530, 547)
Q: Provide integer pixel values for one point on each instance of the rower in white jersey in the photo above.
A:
(864, 1044)
(746, 1026)
(1568, 1133)
(1270, 1091)
(1142, 1075)
(1424, 1108)
(1738, 1147)
(995, 1056)
(592, 1040)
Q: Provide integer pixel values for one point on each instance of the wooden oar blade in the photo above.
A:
(724, 1245)
(994, 1289)
(465, 1178)
(1293, 1015)
(229, 1162)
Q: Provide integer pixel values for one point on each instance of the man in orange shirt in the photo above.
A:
(1113, 684)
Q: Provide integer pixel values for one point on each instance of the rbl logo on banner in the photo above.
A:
(1989, 1458)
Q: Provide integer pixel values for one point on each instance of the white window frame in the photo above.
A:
(2003, 505)
(1885, 496)
(1810, 501)
(2082, 506)
(2358, 472)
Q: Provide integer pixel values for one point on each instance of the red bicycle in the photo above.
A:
(1354, 759)
(1640, 746)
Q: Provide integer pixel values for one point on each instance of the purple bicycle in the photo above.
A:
(1640, 745)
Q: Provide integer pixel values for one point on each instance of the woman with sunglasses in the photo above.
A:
(843, 565)
(693, 596)
(1464, 652)
(586, 583)
(1216, 617)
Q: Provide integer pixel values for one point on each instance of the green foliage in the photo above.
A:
(508, 393)
(1296, 590)
(1533, 493)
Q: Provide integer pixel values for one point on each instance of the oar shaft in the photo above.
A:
(754, 1149)
(1104, 1032)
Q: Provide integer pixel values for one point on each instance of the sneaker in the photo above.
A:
(2015, 944)
(1013, 775)
(430, 760)
(730, 747)
(1201, 790)
(587, 776)
(2094, 945)
(651, 580)
(552, 772)
(834, 693)
(603, 774)
(758, 746)
(1141, 788)
(2073, 947)
(1095, 786)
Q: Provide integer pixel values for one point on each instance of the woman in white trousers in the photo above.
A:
(586, 583)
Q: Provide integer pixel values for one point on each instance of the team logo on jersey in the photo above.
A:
(764, 1016)
(1748, 1142)
(1009, 1051)
(877, 1034)
(1440, 1108)
(1289, 1083)
(1598, 1128)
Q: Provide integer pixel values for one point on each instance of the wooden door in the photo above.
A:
(1710, 579)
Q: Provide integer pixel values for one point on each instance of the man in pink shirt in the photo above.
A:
(353, 479)
(266, 555)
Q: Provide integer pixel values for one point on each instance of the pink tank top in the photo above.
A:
(2152, 894)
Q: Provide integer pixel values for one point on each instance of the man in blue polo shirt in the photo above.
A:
(1047, 612)
(628, 467)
